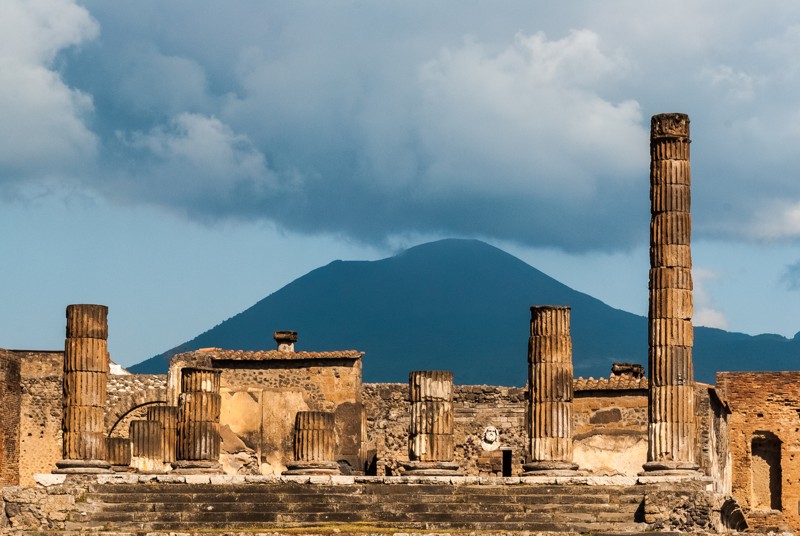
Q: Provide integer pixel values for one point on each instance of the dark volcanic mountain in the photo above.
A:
(461, 305)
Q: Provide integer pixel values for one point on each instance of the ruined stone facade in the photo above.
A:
(262, 392)
(764, 444)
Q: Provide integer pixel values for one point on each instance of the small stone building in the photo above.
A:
(263, 391)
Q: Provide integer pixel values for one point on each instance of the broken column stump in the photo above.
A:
(199, 407)
(430, 440)
(118, 450)
(167, 417)
(147, 447)
(671, 420)
(314, 444)
(550, 383)
(86, 365)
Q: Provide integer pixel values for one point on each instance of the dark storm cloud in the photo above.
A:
(374, 120)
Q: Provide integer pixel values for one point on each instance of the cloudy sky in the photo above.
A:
(179, 160)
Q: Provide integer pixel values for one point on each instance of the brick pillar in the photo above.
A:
(671, 420)
(119, 453)
(314, 444)
(167, 417)
(430, 440)
(198, 421)
(550, 385)
(147, 447)
(85, 376)
(10, 406)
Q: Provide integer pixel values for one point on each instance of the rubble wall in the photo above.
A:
(764, 444)
(41, 406)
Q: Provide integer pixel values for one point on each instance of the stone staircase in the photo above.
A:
(358, 507)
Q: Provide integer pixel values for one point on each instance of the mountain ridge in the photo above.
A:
(460, 305)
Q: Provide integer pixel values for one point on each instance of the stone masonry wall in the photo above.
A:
(41, 375)
(128, 396)
(10, 399)
(765, 444)
(610, 426)
(475, 407)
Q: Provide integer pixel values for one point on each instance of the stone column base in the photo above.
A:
(417, 468)
(550, 468)
(87, 467)
(667, 468)
(196, 467)
(312, 468)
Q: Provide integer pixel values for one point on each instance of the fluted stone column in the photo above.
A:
(430, 439)
(314, 444)
(550, 383)
(119, 453)
(167, 417)
(147, 447)
(198, 421)
(671, 420)
(86, 366)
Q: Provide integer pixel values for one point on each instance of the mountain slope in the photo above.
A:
(455, 304)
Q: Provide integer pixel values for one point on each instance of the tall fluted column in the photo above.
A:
(671, 420)
(550, 384)
(430, 440)
(167, 417)
(198, 421)
(86, 366)
(314, 444)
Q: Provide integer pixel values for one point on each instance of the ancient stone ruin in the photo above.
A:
(234, 440)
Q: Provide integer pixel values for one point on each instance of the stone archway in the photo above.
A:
(128, 395)
(134, 411)
(765, 471)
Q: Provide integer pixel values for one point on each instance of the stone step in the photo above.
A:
(310, 506)
(271, 506)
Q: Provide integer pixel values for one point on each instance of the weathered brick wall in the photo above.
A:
(765, 407)
(41, 375)
(10, 399)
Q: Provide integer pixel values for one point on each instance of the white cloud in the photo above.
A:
(705, 314)
(197, 162)
(528, 119)
(777, 220)
(43, 120)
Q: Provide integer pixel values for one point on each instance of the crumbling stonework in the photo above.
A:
(41, 375)
(262, 392)
(764, 444)
(126, 392)
(10, 404)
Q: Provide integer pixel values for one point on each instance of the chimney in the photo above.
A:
(285, 340)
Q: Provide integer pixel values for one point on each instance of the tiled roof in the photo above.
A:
(612, 383)
(270, 355)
